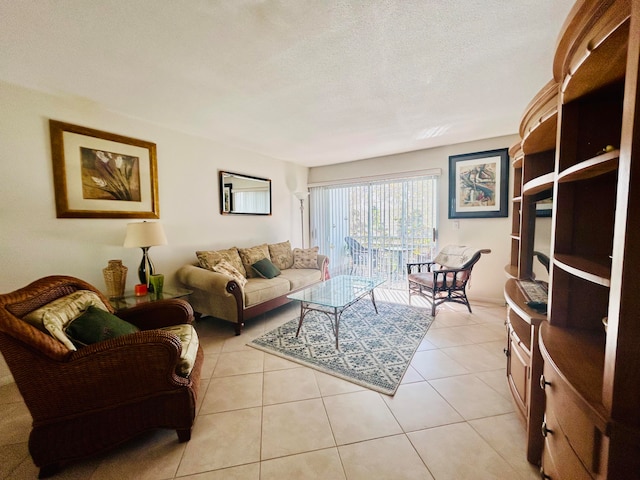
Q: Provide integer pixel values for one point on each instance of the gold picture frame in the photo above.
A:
(99, 174)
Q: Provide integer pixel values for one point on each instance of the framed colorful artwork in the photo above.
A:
(479, 184)
(102, 175)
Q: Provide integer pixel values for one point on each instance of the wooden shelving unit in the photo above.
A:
(534, 175)
(587, 417)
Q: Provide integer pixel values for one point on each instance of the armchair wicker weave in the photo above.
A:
(89, 400)
(445, 278)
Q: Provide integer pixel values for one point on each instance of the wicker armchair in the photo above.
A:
(445, 278)
(86, 401)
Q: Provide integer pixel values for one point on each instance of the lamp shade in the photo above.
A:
(144, 234)
(301, 195)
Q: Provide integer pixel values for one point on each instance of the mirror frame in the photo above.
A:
(226, 187)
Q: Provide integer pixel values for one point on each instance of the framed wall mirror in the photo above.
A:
(244, 195)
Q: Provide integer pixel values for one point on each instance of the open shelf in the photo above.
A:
(540, 121)
(540, 184)
(511, 271)
(585, 73)
(594, 167)
(594, 270)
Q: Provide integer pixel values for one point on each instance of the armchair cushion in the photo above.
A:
(281, 255)
(96, 325)
(265, 268)
(305, 258)
(226, 268)
(456, 256)
(189, 340)
(251, 255)
(209, 259)
(53, 317)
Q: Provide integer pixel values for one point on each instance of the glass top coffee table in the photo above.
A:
(334, 296)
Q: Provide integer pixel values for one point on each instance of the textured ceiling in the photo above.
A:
(313, 82)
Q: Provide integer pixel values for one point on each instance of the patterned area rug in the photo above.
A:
(375, 350)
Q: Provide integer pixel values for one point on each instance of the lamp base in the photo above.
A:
(146, 267)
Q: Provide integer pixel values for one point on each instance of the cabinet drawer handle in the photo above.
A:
(546, 431)
(543, 475)
(543, 382)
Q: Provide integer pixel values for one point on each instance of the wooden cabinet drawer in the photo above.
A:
(548, 468)
(559, 459)
(570, 421)
(518, 371)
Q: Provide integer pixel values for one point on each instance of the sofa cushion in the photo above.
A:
(260, 290)
(209, 259)
(249, 256)
(281, 255)
(229, 270)
(265, 268)
(189, 340)
(96, 325)
(302, 277)
(53, 317)
(305, 258)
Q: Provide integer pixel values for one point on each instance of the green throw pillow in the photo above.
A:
(96, 325)
(265, 268)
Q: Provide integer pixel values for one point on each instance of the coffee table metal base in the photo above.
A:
(336, 312)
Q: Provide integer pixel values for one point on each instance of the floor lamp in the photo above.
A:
(301, 196)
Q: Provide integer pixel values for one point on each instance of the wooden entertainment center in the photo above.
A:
(574, 370)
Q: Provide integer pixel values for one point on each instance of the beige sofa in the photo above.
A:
(234, 284)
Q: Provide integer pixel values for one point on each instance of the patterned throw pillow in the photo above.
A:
(53, 317)
(281, 255)
(229, 270)
(251, 255)
(209, 259)
(305, 258)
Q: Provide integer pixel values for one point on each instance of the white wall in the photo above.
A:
(494, 233)
(34, 243)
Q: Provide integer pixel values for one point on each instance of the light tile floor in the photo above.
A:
(261, 417)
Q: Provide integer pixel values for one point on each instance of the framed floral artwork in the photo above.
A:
(102, 175)
(479, 184)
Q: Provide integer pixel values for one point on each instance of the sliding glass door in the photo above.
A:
(376, 228)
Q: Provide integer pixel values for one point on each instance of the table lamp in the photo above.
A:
(145, 235)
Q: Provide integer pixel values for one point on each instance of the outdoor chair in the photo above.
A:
(445, 278)
(360, 256)
(95, 397)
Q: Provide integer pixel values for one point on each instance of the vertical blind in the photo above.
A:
(375, 228)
